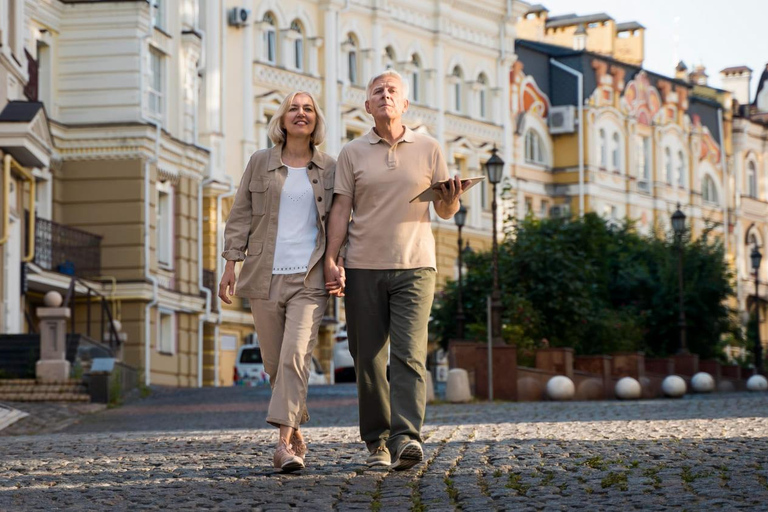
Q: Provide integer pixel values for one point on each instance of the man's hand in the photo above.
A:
(227, 285)
(335, 276)
(448, 194)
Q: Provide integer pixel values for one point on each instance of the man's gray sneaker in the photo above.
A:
(407, 456)
(379, 457)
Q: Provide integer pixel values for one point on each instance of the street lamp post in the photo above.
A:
(756, 257)
(460, 218)
(678, 225)
(494, 167)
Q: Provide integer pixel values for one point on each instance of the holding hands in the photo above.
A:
(335, 277)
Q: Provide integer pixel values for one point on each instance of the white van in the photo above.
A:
(249, 368)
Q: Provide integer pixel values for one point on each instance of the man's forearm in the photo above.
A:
(338, 224)
(446, 210)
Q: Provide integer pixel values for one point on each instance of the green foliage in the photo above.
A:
(597, 288)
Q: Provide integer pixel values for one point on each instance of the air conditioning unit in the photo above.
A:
(238, 16)
(560, 211)
(562, 119)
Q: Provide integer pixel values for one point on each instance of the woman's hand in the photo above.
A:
(335, 276)
(227, 285)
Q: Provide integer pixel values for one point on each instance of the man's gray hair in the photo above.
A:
(384, 74)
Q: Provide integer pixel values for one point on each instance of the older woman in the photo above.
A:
(277, 228)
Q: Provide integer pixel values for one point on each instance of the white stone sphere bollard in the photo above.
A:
(457, 387)
(726, 386)
(757, 383)
(628, 388)
(52, 299)
(430, 387)
(702, 382)
(560, 387)
(673, 386)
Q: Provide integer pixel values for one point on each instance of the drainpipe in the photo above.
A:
(580, 105)
(206, 315)
(219, 249)
(725, 179)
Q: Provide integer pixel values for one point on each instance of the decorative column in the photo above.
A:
(53, 366)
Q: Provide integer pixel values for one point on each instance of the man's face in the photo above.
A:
(386, 100)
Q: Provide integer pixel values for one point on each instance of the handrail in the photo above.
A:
(113, 336)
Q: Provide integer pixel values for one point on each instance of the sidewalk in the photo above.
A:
(697, 453)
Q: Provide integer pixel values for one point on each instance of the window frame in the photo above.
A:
(270, 38)
(164, 225)
(709, 189)
(298, 46)
(534, 148)
(164, 314)
(751, 175)
(156, 84)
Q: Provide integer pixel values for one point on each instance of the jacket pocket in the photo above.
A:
(328, 185)
(255, 248)
(259, 188)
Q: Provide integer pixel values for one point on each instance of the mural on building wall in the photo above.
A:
(709, 149)
(526, 95)
(641, 99)
(610, 83)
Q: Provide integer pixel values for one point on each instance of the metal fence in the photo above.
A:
(67, 250)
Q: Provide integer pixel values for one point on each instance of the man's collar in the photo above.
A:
(408, 136)
(276, 160)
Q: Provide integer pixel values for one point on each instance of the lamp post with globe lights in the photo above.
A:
(460, 218)
(756, 257)
(678, 225)
(494, 168)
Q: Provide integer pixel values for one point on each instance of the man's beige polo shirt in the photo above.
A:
(387, 232)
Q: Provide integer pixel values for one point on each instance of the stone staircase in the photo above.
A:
(30, 390)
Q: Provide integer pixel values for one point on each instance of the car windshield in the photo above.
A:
(250, 356)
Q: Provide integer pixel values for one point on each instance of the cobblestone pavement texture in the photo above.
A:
(211, 450)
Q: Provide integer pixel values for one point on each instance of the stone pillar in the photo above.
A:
(53, 365)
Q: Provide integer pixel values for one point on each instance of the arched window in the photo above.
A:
(616, 151)
(298, 45)
(415, 78)
(603, 149)
(457, 78)
(668, 165)
(534, 148)
(389, 58)
(352, 59)
(482, 95)
(270, 38)
(751, 179)
(680, 169)
(708, 190)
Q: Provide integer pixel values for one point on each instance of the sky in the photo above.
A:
(713, 33)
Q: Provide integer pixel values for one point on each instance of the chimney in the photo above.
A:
(736, 80)
(698, 75)
(680, 71)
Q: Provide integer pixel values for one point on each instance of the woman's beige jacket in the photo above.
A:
(251, 228)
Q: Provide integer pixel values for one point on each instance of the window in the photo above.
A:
(603, 149)
(482, 95)
(164, 230)
(644, 162)
(534, 151)
(543, 208)
(457, 77)
(415, 77)
(352, 60)
(270, 39)
(668, 165)
(528, 205)
(298, 46)
(751, 180)
(166, 332)
(389, 58)
(616, 152)
(158, 13)
(156, 80)
(708, 190)
(680, 169)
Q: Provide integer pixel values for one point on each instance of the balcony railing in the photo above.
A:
(67, 250)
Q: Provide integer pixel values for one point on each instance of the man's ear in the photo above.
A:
(405, 106)
(368, 107)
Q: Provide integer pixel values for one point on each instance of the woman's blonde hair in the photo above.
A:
(276, 131)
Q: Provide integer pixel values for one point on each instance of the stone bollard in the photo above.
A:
(457, 388)
(53, 365)
(430, 388)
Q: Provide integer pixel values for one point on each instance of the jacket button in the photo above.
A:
(309, 166)
(320, 199)
(322, 217)
(314, 181)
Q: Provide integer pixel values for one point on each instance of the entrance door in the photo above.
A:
(12, 292)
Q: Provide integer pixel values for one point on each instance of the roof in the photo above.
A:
(761, 83)
(536, 8)
(629, 25)
(20, 111)
(681, 66)
(549, 49)
(572, 19)
(736, 69)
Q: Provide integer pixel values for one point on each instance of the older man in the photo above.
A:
(388, 276)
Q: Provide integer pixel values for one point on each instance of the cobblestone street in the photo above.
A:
(210, 449)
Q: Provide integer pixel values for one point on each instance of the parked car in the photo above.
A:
(343, 364)
(249, 368)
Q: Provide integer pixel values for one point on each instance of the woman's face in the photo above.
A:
(301, 118)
